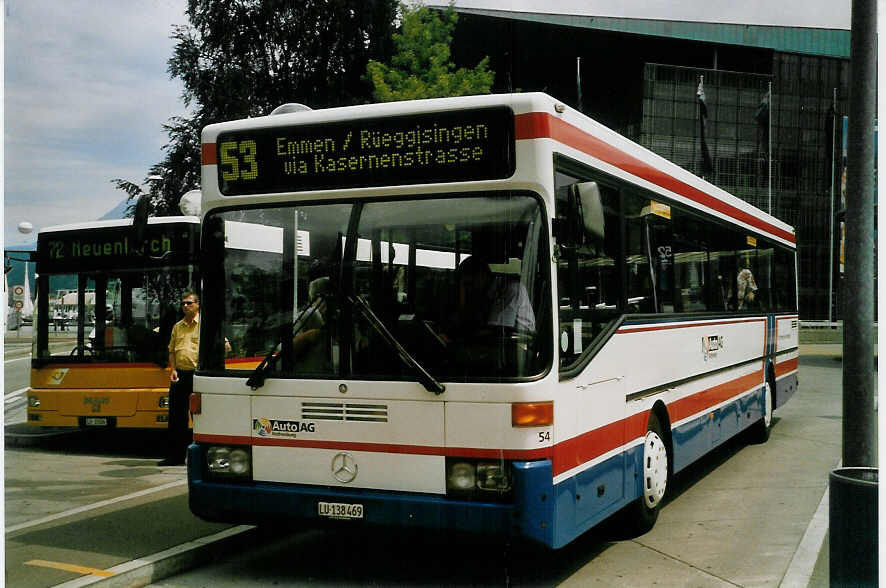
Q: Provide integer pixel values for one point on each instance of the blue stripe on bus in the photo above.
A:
(695, 438)
(266, 502)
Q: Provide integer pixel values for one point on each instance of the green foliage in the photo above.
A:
(243, 58)
(421, 66)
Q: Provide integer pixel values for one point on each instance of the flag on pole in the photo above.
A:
(707, 163)
(830, 130)
(762, 118)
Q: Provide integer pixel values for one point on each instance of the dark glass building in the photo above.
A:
(772, 96)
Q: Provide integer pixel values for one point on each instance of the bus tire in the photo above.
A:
(759, 431)
(655, 471)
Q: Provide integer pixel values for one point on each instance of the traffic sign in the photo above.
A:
(18, 292)
(18, 304)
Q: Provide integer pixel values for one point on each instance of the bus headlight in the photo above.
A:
(164, 402)
(239, 462)
(493, 476)
(228, 461)
(478, 479)
(34, 401)
(461, 476)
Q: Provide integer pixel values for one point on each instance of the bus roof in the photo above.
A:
(538, 116)
(122, 222)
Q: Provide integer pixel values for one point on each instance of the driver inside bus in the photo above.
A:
(487, 305)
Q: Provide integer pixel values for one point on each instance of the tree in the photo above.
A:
(421, 65)
(243, 58)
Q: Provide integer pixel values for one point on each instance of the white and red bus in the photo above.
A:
(629, 317)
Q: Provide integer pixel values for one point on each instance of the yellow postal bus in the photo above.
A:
(107, 298)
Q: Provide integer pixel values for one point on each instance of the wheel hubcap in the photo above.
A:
(767, 404)
(655, 469)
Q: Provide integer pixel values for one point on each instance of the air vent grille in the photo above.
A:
(339, 411)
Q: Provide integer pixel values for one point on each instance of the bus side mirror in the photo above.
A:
(586, 197)
(140, 218)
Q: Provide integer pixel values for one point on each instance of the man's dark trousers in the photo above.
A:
(179, 400)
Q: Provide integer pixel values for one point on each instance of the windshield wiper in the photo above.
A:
(257, 379)
(426, 379)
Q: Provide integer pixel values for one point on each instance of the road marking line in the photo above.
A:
(93, 506)
(16, 359)
(151, 569)
(803, 563)
(15, 392)
(68, 567)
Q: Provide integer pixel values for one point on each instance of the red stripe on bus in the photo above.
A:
(243, 360)
(541, 125)
(581, 449)
(377, 447)
(684, 326)
(564, 456)
(208, 154)
(707, 399)
(786, 367)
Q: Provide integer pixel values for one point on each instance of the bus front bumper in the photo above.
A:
(528, 516)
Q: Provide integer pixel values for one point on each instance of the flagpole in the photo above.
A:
(831, 248)
(578, 82)
(769, 148)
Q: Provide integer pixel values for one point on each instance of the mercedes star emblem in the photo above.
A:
(344, 467)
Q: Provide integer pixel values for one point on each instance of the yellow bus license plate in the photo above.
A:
(338, 510)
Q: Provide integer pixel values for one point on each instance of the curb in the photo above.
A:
(12, 438)
(32, 440)
(172, 561)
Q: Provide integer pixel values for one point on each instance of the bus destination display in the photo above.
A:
(104, 248)
(424, 148)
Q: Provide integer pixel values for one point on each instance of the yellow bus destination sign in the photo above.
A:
(112, 247)
(452, 146)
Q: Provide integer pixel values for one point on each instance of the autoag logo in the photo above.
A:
(280, 428)
(262, 427)
(710, 345)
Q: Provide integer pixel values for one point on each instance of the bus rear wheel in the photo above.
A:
(655, 470)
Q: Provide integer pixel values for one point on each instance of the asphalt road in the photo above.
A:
(83, 507)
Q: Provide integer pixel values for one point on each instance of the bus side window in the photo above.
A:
(764, 279)
(587, 273)
(724, 253)
(784, 291)
(640, 294)
(691, 264)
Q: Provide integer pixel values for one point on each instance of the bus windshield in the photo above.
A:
(448, 284)
(113, 316)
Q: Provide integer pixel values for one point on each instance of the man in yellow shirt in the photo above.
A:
(183, 346)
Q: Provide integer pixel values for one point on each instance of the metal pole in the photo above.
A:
(769, 148)
(578, 82)
(831, 247)
(859, 418)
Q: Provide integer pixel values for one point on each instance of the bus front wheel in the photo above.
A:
(655, 471)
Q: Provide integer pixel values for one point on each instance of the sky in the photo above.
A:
(86, 92)
(86, 89)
